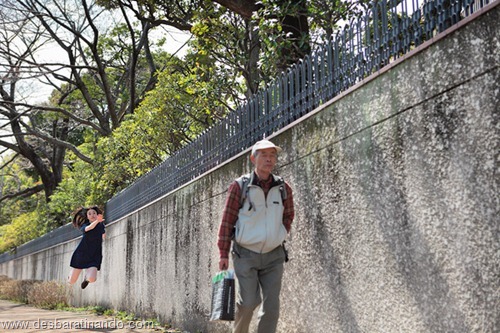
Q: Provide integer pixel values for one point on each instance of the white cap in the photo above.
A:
(264, 144)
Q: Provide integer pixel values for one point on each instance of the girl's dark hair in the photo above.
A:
(80, 215)
(96, 208)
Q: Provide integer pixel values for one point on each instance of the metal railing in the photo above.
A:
(387, 31)
(56, 236)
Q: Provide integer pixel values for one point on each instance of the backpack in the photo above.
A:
(244, 180)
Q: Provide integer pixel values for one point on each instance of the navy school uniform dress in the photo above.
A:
(89, 252)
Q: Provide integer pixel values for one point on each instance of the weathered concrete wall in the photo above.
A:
(396, 191)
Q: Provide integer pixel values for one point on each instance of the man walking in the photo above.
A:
(259, 208)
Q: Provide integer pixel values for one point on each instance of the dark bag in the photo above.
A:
(223, 296)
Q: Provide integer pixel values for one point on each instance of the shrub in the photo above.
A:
(3, 281)
(49, 295)
(17, 290)
(4, 278)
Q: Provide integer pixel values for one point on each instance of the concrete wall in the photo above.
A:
(396, 191)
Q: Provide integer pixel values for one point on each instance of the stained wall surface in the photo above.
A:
(396, 193)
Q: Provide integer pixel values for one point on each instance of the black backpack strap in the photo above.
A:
(243, 182)
(279, 181)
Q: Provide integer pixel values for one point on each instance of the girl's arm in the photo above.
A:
(91, 226)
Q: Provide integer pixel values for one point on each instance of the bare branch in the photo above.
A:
(6, 163)
(31, 108)
(9, 145)
(58, 142)
(245, 8)
(24, 193)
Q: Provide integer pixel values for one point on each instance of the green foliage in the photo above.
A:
(220, 50)
(184, 103)
(23, 228)
(22, 218)
(73, 191)
(326, 16)
(7, 213)
(18, 176)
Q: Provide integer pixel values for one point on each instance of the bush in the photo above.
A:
(49, 295)
(3, 280)
(17, 290)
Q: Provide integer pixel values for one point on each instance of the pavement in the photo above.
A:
(21, 318)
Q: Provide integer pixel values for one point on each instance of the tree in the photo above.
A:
(23, 228)
(108, 68)
(16, 54)
(325, 16)
(272, 35)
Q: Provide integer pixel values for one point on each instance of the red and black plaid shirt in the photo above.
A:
(232, 208)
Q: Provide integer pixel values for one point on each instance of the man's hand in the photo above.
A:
(223, 264)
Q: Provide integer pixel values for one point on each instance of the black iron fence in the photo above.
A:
(56, 236)
(387, 31)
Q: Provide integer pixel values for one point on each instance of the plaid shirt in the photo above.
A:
(232, 208)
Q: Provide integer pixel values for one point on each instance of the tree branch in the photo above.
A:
(6, 163)
(24, 193)
(10, 146)
(245, 8)
(48, 138)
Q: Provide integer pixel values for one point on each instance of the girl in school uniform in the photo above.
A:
(88, 254)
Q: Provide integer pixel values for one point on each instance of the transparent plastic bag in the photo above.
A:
(223, 296)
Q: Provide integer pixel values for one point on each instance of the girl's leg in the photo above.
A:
(91, 274)
(73, 275)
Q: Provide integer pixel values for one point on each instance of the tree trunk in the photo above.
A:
(251, 74)
(297, 27)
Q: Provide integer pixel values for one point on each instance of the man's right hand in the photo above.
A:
(223, 264)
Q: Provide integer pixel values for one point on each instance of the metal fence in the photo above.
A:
(57, 236)
(387, 31)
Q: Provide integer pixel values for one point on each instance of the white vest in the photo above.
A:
(260, 220)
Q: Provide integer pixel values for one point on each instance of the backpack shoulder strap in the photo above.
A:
(281, 182)
(243, 182)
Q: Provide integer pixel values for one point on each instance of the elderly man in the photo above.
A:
(257, 217)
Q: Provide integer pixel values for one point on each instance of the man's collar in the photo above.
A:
(256, 180)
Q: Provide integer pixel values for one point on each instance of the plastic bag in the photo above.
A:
(223, 296)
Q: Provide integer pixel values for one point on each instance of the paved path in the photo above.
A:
(20, 318)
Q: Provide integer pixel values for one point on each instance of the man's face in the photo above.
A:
(265, 160)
